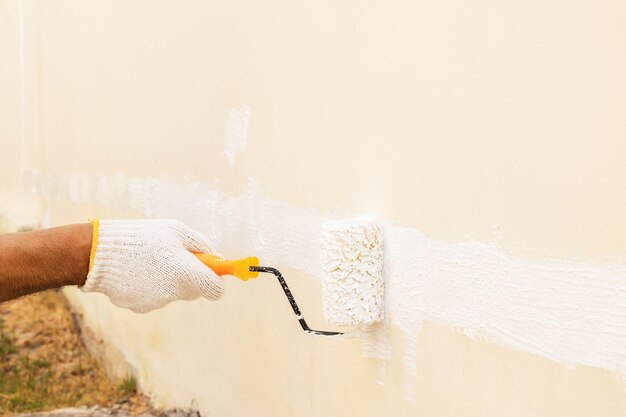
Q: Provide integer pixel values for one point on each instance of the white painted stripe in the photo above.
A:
(571, 312)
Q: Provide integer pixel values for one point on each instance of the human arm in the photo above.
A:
(139, 264)
(44, 259)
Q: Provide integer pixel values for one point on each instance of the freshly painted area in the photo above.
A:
(570, 312)
(237, 132)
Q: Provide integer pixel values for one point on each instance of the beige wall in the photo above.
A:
(9, 100)
(449, 117)
(19, 115)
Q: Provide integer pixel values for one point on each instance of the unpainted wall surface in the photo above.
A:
(486, 137)
(9, 104)
(19, 116)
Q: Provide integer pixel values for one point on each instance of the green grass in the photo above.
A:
(127, 387)
(7, 347)
(44, 366)
(23, 382)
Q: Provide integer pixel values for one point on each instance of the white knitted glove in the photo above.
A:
(145, 264)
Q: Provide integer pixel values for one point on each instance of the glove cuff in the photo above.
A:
(108, 263)
(95, 224)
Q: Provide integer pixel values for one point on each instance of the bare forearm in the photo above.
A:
(36, 261)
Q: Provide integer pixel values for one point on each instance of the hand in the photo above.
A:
(145, 264)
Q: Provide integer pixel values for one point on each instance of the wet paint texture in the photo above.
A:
(567, 311)
(237, 132)
(353, 288)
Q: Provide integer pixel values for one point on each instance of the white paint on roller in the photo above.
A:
(352, 272)
(237, 132)
(568, 311)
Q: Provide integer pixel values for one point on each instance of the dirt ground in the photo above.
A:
(44, 364)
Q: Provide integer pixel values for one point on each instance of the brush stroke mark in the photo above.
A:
(237, 132)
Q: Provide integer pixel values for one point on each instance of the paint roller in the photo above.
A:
(352, 274)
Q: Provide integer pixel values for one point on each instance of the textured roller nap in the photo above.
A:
(352, 272)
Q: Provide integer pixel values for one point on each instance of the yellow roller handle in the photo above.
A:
(238, 267)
